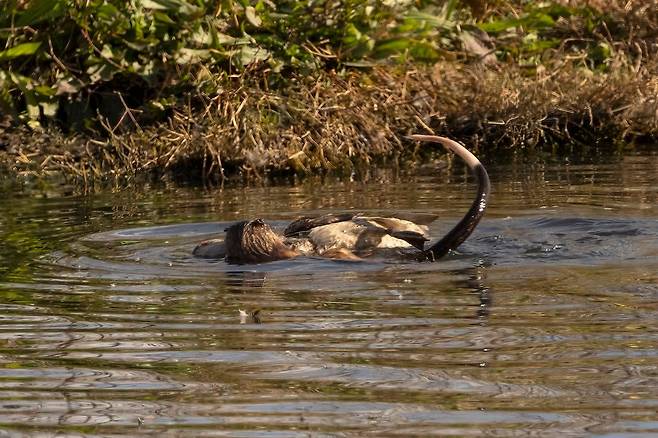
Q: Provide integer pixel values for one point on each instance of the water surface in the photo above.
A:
(543, 324)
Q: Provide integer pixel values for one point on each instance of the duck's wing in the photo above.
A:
(417, 240)
(307, 223)
(412, 233)
(351, 235)
(366, 234)
(394, 224)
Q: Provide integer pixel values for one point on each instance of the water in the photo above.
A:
(544, 324)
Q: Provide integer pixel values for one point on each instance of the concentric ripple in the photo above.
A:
(543, 324)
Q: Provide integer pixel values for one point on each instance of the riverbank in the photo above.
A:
(331, 122)
(564, 78)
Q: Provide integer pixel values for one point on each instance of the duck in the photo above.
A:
(352, 235)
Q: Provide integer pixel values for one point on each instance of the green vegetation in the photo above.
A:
(76, 62)
(100, 87)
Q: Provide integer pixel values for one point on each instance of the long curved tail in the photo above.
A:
(467, 224)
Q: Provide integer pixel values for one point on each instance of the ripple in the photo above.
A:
(542, 324)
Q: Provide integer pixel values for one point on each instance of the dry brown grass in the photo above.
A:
(335, 122)
(332, 122)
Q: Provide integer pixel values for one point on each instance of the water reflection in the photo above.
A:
(110, 327)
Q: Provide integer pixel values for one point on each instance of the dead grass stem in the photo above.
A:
(333, 122)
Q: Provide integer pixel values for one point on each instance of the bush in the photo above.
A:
(114, 64)
(73, 60)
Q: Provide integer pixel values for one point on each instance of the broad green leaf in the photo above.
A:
(27, 88)
(535, 20)
(227, 40)
(499, 25)
(19, 50)
(139, 46)
(250, 54)
(541, 45)
(424, 51)
(450, 9)
(179, 6)
(432, 20)
(44, 90)
(107, 13)
(49, 107)
(152, 4)
(163, 18)
(191, 56)
(100, 73)
(392, 46)
(6, 101)
(20, 81)
(200, 36)
(107, 52)
(41, 10)
(254, 19)
(67, 85)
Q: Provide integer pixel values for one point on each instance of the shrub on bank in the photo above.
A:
(145, 84)
(72, 61)
(75, 62)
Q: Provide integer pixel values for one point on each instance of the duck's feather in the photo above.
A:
(396, 222)
(366, 234)
(306, 223)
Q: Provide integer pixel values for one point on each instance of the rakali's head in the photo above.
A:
(255, 242)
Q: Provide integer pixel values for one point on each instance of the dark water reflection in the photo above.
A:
(545, 322)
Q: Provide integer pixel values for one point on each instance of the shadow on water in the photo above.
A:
(544, 322)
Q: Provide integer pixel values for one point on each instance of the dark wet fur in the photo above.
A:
(465, 227)
(255, 242)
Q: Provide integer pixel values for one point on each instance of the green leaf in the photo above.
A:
(6, 101)
(249, 54)
(201, 36)
(191, 56)
(44, 90)
(179, 6)
(68, 85)
(450, 9)
(27, 88)
(49, 107)
(107, 13)
(254, 19)
(537, 21)
(19, 50)
(100, 72)
(360, 64)
(158, 6)
(539, 46)
(432, 20)
(388, 47)
(499, 25)
(163, 18)
(533, 21)
(41, 10)
(424, 51)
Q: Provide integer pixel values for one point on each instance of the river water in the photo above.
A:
(545, 323)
